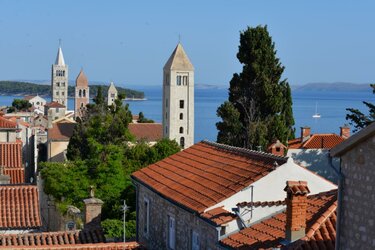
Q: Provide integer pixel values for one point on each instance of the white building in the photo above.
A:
(59, 79)
(178, 98)
(112, 94)
(36, 101)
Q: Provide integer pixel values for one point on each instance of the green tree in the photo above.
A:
(360, 120)
(259, 107)
(19, 105)
(143, 119)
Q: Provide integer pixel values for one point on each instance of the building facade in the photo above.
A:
(59, 79)
(178, 98)
(356, 219)
(82, 94)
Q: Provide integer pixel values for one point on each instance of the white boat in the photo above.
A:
(316, 115)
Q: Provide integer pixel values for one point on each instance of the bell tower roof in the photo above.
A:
(60, 58)
(81, 80)
(179, 60)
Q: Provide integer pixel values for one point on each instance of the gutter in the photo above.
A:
(339, 200)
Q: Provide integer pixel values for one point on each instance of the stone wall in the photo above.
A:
(186, 222)
(357, 221)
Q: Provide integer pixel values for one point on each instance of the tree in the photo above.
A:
(143, 119)
(358, 119)
(19, 105)
(259, 107)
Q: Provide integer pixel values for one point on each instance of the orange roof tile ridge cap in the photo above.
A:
(244, 150)
(262, 203)
(329, 192)
(321, 220)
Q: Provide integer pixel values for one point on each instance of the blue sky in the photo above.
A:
(129, 41)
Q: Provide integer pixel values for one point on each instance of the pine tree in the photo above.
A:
(262, 100)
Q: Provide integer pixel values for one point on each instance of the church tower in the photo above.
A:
(178, 98)
(82, 94)
(59, 80)
(111, 94)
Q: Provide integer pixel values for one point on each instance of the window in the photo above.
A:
(63, 84)
(80, 93)
(195, 244)
(178, 80)
(112, 95)
(166, 129)
(37, 103)
(63, 73)
(181, 130)
(63, 93)
(81, 104)
(57, 92)
(222, 230)
(84, 93)
(166, 102)
(58, 84)
(171, 232)
(182, 142)
(181, 116)
(185, 80)
(182, 104)
(146, 216)
(57, 110)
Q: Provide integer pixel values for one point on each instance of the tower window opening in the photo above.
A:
(84, 93)
(182, 104)
(181, 116)
(182, 142)
(185, 80)
(178, 81)
(181, 130)
(58, 84)
(80, 93)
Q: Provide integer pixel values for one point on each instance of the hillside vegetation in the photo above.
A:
(27, 88)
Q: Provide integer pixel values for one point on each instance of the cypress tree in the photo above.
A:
(258, 94)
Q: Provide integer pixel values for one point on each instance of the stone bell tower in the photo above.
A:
(82, 94)
(59, 80)
(178, 98)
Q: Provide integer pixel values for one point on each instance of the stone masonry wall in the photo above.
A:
(358, 200)
(185, 222)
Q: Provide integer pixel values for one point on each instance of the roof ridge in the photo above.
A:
(262, 203)
(244, 150)
(329, 192)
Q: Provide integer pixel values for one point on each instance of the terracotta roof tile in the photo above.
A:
(206, 173)
(146, 131)
(91, 246)
(54, 105)
(19, 207)
(267, 234)
(11, 160)
(297, 187)
(219, 215)
(326, 141)
(261, 203)
(5, 123)
(28, 97)
(61, 131)
(22, 122)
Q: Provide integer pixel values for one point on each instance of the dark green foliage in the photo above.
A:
(114, 228)
(360, 120)
(259, 107)
(143, 119)
(26, 88)
(100, 156)
(19, 105)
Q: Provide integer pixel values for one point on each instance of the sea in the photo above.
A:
(331, 105)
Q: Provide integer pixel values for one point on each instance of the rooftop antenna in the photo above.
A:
(60, 42)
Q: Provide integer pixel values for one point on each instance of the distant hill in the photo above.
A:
(336, 86)
(27, 88)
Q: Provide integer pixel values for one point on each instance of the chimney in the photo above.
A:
(93, 211)
(296, 205)
(345, 131)
(4, 179)
(305, 133)
(277, 148)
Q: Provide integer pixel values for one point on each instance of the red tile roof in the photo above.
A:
(11, 160)
(146, 131)
(61, 131)
(261, 203)
(19, 207)
(5, 123)
(269, 233)
(22, 122)
(28, 97)
(54, 105)
(91, 246)
(206, 173)
(219, 215)
(324, 141)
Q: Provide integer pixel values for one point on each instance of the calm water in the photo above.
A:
(331, 106)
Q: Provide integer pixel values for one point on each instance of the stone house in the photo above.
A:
(147, 132)
(36, 101)
(312, 151)
(58, 137)
(189, 200)
(54, 111)
(8, 130)
(356, 219)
